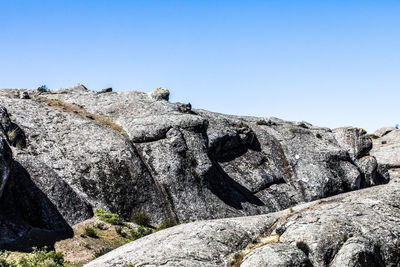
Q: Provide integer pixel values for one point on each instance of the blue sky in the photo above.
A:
(332, 63)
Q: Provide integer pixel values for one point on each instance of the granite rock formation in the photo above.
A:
(131, 151)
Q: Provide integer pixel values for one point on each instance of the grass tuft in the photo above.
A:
(108, 217)
(90, 232)
(101, 119)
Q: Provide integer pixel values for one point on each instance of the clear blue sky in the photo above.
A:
(332, 63)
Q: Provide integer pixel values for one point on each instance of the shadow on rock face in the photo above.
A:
(220, 183)
(231, 147)
(27, 217)
(228, 190)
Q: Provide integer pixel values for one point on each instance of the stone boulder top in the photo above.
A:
(384, 131)
(77, 89)
(386, 149)
(160, 94)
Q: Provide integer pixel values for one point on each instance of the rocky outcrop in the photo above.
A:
(358, 144)
(387, 147)
(131, 151)
(345, 230)
(160, 94)
(34, 201)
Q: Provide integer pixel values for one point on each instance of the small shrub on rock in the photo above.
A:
(41, 257)
(90, 232)
(140, 218)
(135, 235)
(42, 89)
(98, 212)
(373, 136)
(107, 217)
(144, 230)
(344, 237)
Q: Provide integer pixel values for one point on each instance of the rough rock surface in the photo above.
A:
(383, 131)
(5, 151)
(345, 230)
(387, 148)
(210, 165)
(130, 151)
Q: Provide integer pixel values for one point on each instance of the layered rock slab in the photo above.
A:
(354, 229)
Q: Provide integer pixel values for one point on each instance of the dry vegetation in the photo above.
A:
(101, 119)
(82, 248)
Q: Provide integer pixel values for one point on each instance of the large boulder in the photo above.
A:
(354, 229)
(96, 162)
(160, 94)
(384, 131)
(387, 149)
(35, 204)
(355, 140)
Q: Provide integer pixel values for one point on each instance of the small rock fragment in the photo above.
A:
(24, 95)
(160, 94)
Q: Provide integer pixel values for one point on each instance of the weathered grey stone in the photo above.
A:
(384, 131)
(160, 94)
(374, 174)
(105, 90)
(277, 255)
(185, 108)
(355, 140)
(387, 149)
(359, 251)
(24, 95)
(77, 89)
(194, 244)
(152, 128)
(359, 228)
(95, 161)
(78, 165)
(5, 121)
